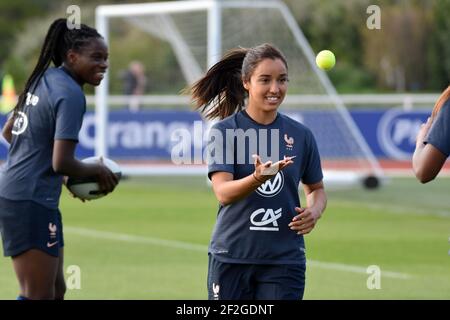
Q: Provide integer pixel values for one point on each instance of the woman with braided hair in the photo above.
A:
(43, 133)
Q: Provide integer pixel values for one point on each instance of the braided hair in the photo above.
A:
(58, 41)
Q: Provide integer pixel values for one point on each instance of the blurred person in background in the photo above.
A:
(135, 82)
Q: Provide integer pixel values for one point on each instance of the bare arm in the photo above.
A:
(316, 202)
(7, 128)
(228, 190)
(65, 163)
(427, 160)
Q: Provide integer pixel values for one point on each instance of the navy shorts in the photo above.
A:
(26, 225)
(236, 281)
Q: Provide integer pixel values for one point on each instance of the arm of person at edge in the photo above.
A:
(7, 128)
(427, 160)
(65, 163)
(316, 202)
(228, 190)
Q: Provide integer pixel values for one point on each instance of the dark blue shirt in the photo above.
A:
(255, 229)
(53, 111)
(439, 134)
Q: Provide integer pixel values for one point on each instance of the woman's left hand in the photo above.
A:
(305, 221)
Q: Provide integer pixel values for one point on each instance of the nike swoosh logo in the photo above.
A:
(49, 245)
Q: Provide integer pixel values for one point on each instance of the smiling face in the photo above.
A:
(89, 64)
(267, 85)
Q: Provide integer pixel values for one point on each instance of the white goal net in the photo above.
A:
(197, 34)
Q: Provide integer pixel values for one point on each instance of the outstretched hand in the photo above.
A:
(265, 171)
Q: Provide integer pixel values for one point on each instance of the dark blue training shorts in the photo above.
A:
(236, 281)
(26, 225)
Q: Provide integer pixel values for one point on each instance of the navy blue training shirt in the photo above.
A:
(54, 111)
(255, 229)
(439, 134)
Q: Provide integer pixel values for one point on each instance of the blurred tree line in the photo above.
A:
(411, 51)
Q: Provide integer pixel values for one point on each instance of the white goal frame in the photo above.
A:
(213, 8)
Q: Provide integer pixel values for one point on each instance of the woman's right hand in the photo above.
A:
(265, 171)
(107, 180)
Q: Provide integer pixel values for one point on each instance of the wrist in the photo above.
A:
(316, 212)
(258, 180)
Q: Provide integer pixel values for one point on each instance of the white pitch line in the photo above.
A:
(106, 235)
(396, 209)
(356, 269)
(134, 239)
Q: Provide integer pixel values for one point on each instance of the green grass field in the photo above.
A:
(148, 240)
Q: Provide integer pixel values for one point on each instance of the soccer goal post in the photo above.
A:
(198, 33)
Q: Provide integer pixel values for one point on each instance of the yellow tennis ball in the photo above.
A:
(325, 60)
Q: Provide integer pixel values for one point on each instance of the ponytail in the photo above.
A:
(45, 57)
(445, 96)
(220, 92)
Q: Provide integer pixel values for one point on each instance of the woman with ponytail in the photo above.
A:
(257, 249)
(43, 133)
(433, 141)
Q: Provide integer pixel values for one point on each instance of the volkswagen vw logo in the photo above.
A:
(272, 187)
